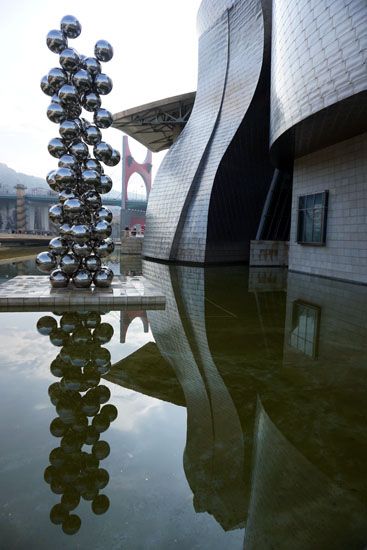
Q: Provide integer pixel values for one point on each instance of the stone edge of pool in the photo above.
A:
(34, 293)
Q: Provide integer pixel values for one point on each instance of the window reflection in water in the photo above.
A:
(83, 414)
(305, 328)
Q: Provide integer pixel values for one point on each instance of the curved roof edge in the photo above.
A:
(158, 124)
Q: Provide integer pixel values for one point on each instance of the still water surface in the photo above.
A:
(241, 417)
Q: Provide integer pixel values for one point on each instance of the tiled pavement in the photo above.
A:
(34, 293)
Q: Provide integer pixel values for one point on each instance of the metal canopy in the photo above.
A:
(156, 125)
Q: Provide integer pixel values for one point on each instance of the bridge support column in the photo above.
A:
(130, 167)
(21, 217)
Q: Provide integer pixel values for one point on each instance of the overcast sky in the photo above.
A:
(155, 56)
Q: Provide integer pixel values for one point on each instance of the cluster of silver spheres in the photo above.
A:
(84, 224)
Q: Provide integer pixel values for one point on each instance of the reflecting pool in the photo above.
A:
(234, 418)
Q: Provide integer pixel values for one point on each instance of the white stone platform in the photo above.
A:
(34, 293)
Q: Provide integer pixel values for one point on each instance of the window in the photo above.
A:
(312, 210)
(305, 328)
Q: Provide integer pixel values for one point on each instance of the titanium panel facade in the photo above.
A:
(218, 202)
(232, 61)
(172, 184)
(318, 75)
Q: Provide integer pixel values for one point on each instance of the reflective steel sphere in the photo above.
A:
(82, 278)
(65, 195)
(70, 26)
(92, 199)
(104, 248)
(73, 207)
(69, 263)
(69, 60)
(56, 41)
(46, 87)
(80, 150)
(56, 78)
(92, 65)
(65, 231)
(46, 262)
(91, 101)
(103, 213)
(50, 178)
(91, 177)
(80, 233)
(56, 113)
(82, 80)
(73, 111)
(56, 147)
(55, 213)
(59, 279)
(102, 118)
(92, 135)
(55, 99)
(115, 158)
(68, 161)
(68, 95)
(103, 84)
(103, 50)
(93, 164)
(65, 177)
(103, 277)
(92, 263)
(101, 230)
(105, 184)
(58, 246)
(82, 250)
(69, 130)
(102, 151)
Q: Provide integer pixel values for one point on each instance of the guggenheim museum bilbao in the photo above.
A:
(275, 149)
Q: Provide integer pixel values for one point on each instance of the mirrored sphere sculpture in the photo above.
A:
(59, 279)
(46, 262)
(103, 277)
(84, 223)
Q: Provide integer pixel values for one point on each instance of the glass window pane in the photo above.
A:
(308, 226)
(319, 198)
(300, 226)
(310, 201)
(317, 217)
(301, 202)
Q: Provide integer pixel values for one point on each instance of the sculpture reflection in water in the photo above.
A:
(82, 414)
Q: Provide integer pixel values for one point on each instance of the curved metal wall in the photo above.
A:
(231, 56)
(174, 179)
(318, 74)
(245, 55)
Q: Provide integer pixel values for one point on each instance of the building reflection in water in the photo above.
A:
(83, 414)
(274, 383)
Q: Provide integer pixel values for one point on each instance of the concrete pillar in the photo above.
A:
(31, 217)
(21, 218)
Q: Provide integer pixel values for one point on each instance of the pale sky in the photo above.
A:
(155, 56)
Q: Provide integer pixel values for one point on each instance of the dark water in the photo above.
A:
(241, 417)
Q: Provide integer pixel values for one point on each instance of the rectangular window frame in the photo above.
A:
(308, 212)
